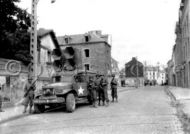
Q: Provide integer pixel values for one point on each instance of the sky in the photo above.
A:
(139, 28)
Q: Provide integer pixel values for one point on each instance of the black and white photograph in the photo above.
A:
(94, 66)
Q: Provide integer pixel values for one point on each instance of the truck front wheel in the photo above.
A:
(70, 102)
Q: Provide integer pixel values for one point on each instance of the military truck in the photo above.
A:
(67, 89)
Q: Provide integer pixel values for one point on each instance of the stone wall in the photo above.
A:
(99, 56)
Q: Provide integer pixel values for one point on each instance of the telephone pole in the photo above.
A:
(33, 70)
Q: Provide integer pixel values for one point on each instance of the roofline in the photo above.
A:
(81, 43)
(54, 38)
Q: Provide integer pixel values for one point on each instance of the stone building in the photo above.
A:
(94, 51)
(171, 73)
(134, 73)
(48, 42)
(13, 75)
(114, 67)
(181, 51)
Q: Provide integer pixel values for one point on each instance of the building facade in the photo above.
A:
(94, 51)
(155, 74)
(134, 73)
(48, 42)
(181, 55)
(115, 68)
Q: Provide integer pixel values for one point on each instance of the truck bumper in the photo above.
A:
(49, 101)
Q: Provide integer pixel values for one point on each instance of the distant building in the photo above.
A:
(155, 74)
(114, 67)
(134, 73)
(94, 50)
(171, 77)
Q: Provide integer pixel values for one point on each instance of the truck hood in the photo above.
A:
(58, 84)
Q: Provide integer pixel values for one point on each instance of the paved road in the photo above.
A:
(139, 111)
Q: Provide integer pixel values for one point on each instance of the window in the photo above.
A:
(86, 38)
(49, 56)
(87, 54)
(66, 40)
(87, 67)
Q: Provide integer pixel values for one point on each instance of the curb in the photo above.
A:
(13, 118)
(169, 93)
(184, 119)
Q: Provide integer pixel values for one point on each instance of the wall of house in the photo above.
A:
(12, 79)
(99, 59)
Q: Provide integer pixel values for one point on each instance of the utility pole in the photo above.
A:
(33, 72)
(33, 42)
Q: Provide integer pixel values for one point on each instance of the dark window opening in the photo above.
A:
(87, 54)
(87, 38)
(49, 56)
(87, 67)
(66, 40)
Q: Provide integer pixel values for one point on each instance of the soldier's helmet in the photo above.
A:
(113, 75)
(97, 75)
(91, 78)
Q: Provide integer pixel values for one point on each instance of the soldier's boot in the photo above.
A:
(30, 109)
(103, 103)
(112, 99)
(98, 103)
(1, 109)
(116, 100)
(107, 103)
(1, 106)
(25, 108)
(95, 104)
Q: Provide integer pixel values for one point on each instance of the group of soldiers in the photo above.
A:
(98, 88)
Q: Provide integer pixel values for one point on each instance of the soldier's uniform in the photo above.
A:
(29, 96)
(104, 87)
(1, 100)
(98, 89)
(113, 85)
(92, 89)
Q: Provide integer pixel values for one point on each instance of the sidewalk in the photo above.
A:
(11, 113)
(182, 96)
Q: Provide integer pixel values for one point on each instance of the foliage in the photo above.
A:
(14, 35)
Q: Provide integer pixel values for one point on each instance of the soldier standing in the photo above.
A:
(98, 90)
(113, 85)
(92, 89)
(104, 87)
(29, 95)
(1, 100)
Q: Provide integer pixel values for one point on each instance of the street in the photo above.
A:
(144, 110)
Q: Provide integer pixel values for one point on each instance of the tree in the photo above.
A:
(14, 35)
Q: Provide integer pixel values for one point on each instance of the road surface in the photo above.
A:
(139, 111)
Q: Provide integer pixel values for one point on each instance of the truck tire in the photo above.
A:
(70, 102)
(39, 108)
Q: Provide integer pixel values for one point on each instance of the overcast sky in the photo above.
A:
(139, 28)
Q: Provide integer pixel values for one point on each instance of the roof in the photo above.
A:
(134, 60)
(44, 32)
(151, 68)
(93, 36)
